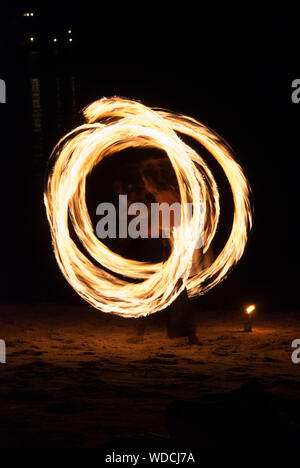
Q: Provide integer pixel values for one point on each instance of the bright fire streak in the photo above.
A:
(250, 309)
(114, 124)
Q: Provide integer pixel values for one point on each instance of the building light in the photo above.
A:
(70, 39)
(55, 39)
(31, 39)
(69, 31)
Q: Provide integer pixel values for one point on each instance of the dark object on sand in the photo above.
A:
(181, 317)
(248, 322)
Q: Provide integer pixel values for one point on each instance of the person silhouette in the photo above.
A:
(180, 315)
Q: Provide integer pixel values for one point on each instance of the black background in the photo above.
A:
(230, 68)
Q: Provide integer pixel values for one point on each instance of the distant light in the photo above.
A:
(250, 309)
(69, 31)
(31, 14)
(32, 39)
(70, 39)
(54, 39)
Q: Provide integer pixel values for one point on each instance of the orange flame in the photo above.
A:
(131, 124)
(250, 309)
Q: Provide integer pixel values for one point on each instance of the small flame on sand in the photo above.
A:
(250, 309)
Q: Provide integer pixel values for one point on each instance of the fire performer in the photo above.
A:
(181, 316)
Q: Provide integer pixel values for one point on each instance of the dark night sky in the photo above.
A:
(231, 69)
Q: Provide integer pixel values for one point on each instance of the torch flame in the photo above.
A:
(114, 124)
(250, 309)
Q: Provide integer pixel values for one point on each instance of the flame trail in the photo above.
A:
(114, 124)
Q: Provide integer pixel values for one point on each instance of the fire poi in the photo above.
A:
(114, 124)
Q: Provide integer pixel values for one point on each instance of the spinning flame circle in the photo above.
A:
(114, 124)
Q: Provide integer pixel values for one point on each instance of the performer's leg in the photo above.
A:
(181, 318)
